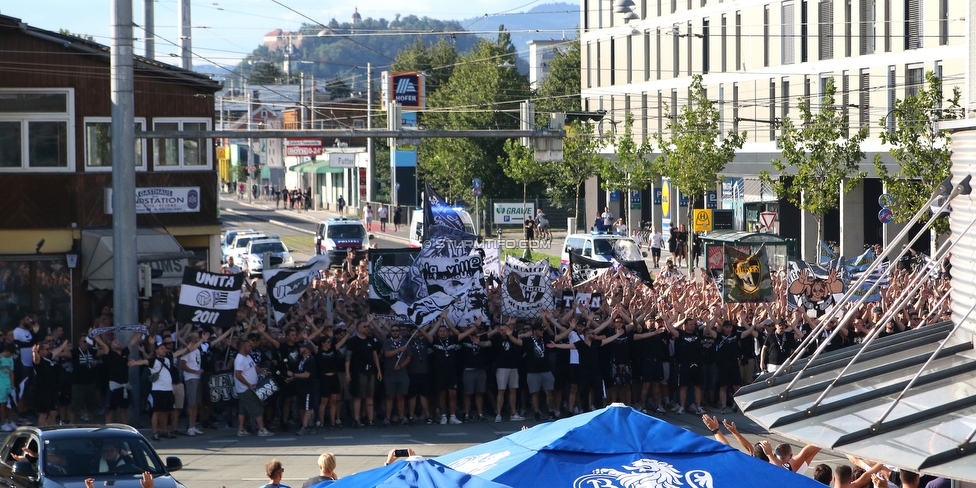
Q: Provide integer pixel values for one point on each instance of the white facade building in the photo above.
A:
(540, 56)
(758, 57)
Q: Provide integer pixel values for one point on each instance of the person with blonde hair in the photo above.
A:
(327, 466)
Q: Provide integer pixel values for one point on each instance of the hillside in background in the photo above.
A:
(551, 20)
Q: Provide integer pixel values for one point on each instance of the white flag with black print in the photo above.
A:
(286, 285)
(209, 298)
(527, 289)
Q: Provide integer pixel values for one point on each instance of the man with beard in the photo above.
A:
(289, 358)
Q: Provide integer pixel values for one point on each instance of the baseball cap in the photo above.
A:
(305, 345)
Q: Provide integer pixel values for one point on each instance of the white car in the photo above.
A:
(228, 239)
(339, 235)
(252, 261)
(239, 246)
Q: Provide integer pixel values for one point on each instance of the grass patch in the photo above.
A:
(553, 260)
(300, 243)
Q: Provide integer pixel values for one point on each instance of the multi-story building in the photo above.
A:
(757, 58)
(56, 174)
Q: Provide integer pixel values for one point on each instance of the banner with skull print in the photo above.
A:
(816, 288)
(527, 289)
(746, 276)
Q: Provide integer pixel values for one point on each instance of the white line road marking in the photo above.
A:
(395, 435)
(419, 442)
(337, 437)
(280, 439)
(452, 434)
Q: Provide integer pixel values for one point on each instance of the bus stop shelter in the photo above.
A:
(778, 249)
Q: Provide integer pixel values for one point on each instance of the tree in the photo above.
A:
(920, 148)
(696, 152)
(821, 156)
(581, 160)
(559, 90)
(631, 170)
(337, 89)
(265, 73)
(520, 165)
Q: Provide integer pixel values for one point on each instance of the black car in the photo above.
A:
(63, 456)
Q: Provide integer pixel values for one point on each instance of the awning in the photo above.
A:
(157, 248)
(319, 167)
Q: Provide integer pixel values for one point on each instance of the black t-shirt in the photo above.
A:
(46, 375)
(747, 345)
(620, 348)
(655, 347)
(728, 348)
(839, 341)
(508, 355)
(419, 350)
(305, 365)
(473, 355)
(536, 354)
(83, 364)
(289, 356)
(444, 355)
(330, 361)
(117, 366)
(688, 347)
(779, 347)
(359, 353)
(589, 357)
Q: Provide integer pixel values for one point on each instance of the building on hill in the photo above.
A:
(356, 18)
(278, 39)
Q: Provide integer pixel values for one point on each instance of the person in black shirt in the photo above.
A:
(330, 363)
(116, 360)
(84, 392)
(728, 350)
(689, 354)
(779, 345)
(474, 362)
(537, 367)
(589, 364)
(362, 371)
(303, 380)
(507, 359)
(444, 362)
(651, 346)
(288, 361)
(46, 382)
(396, 359)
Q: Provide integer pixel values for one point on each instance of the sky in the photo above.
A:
(224, 31)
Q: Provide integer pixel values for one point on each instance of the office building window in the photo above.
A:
(943, 22)
(674, 6)
(887, 26)
(772, 109)
(674, 106)
(724, 46)
(914, 78)
(735, 107)
(630, 59)
(766, 35)
(98, 144)
(892, 81)
(660, 112)
(675, 55)
(691, 56)
(644, 121)
(825, 31)
(659, 7)
(845, 100)
(804, 31)
(706, 49)
(599, 60)
(657, 45)
(613, 62)
(848, 34)
(738, 40)
(866, 27)
(913, 24)
(788, 36)
(589, 65)
(864, 99)
(784, 110)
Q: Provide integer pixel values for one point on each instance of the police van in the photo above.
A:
(338, 235)
(416, 229)
(601, 246)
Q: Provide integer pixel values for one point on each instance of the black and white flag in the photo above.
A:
(286, 285)
(583, 269)
(209, 298)
(527, 289)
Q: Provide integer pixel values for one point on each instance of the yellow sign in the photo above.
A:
(703, 220)
(223, 153)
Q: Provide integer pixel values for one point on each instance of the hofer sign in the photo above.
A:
(513, 213)
(303, 147)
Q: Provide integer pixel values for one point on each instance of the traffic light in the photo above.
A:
(146, 275)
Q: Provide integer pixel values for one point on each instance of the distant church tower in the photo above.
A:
(356, 18)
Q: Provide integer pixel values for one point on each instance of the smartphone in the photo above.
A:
(399, 453)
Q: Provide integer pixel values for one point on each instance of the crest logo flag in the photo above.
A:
(527, 289)
(746, 276)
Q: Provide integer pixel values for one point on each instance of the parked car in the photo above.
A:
(336, 236)
(601, 246)
(239, 246)
(416, 230)
(63, 456)
(252, 260)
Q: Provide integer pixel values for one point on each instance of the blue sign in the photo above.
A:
(408, 89)
(657, 196)
(635, 196)
(886, 200)
(683, 201)
(615, 196)
(711, 199)
(477, 183)
(477, 191)
(885, 215)
(732, 188)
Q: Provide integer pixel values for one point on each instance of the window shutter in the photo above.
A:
(826, 10)
(788, 34)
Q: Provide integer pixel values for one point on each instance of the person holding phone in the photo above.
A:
(398, 454)
(327, 466)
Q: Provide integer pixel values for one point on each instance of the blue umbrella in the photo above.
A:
(617, 447)
(414, 473)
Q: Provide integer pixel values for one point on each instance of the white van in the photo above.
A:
(416, 229)
(601, 246)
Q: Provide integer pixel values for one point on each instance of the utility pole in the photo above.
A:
(150, 29)
(186, 43)
(250, 148)
(370, 154)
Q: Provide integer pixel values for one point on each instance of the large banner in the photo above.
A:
(528, 289)
(286, 285)
(446, 273)
(492, 265)
(746, 276)
(209, 298)
(388, 268)
(583, 269)
(814, 287)
(593, 300)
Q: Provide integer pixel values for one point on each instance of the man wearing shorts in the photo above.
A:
(507, 360)
(192, 366)
(419, 373)
(160, 366)
(362, 371)
(537, 367)
(474, 378)
(84, 392)
(690, 356)
(245, 381)
(656, 241)
(396, 358)
(384, 214)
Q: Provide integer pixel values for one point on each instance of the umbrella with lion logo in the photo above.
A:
(617, 447)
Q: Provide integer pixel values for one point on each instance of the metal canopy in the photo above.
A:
(318, 167)
(925, 431)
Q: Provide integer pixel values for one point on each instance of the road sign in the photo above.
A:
(477, 191)
(886, 200)
(703, 220)
(885, 215)
(767, 219)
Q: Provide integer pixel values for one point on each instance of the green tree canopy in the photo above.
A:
(920, 148)
(630, 169)
(822, 157)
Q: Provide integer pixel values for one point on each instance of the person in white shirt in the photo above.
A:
(620, 227)
(192, 366)
(657, 240)
(245, 381)
(384, 214)
(607, 217)
(230, 267)
(163, 400)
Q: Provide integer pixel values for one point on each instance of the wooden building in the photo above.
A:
(55, 174)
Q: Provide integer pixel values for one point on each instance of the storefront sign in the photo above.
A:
(162, 200)
(512, 213)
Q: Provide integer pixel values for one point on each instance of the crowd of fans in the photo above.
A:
(674, 346)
